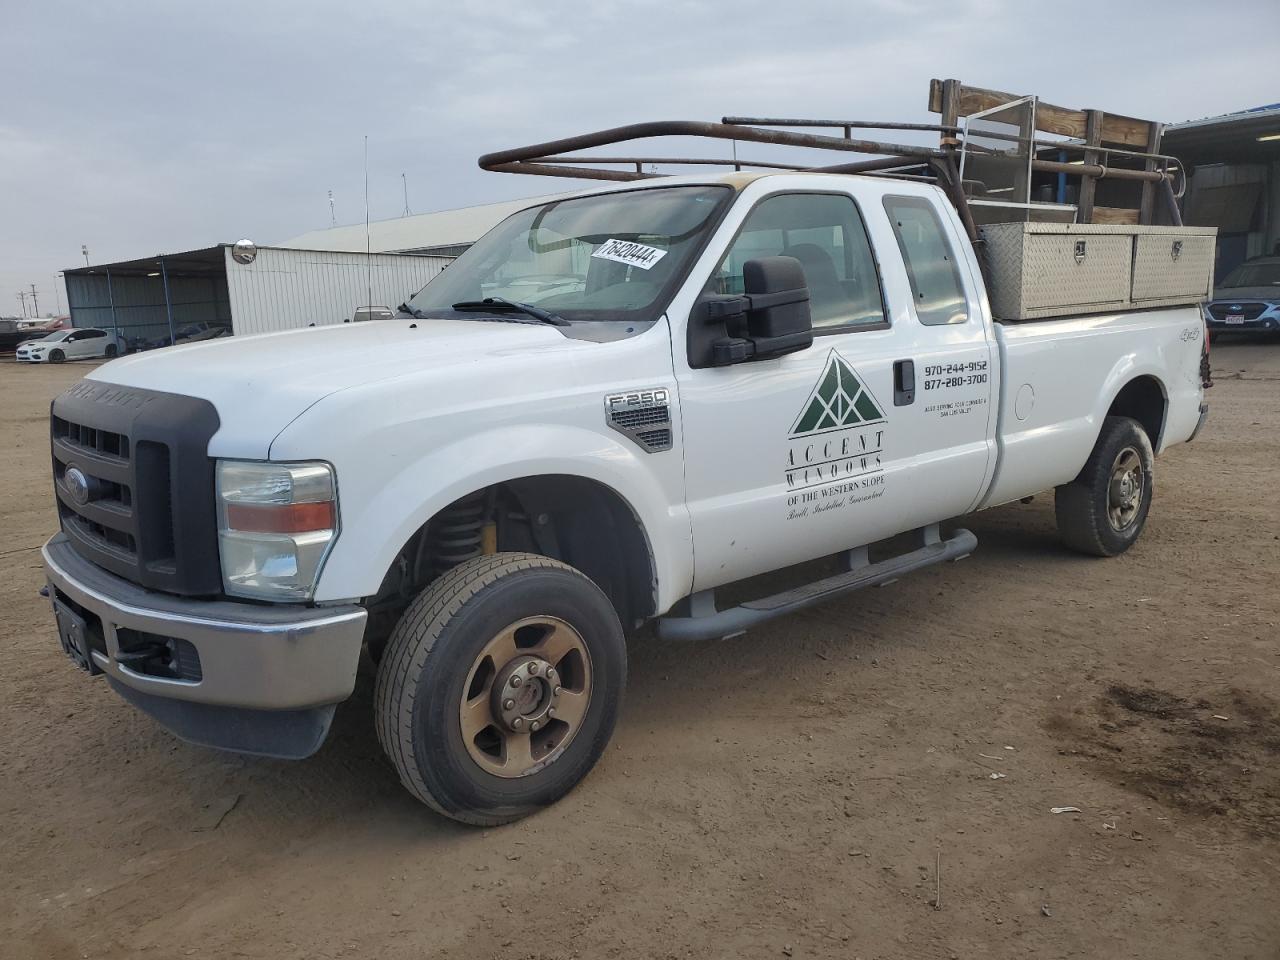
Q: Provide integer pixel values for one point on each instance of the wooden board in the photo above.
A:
(1063, 121)
(1114, 215)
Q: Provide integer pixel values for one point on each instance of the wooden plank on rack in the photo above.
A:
(1114, 215)
(1094, 120)
(1063, 121)
(1148, 208)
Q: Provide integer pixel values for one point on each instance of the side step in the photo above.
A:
(709, 624)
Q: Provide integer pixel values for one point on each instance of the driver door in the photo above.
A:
(785, 458)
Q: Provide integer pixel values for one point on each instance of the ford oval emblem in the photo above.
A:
(77, 485)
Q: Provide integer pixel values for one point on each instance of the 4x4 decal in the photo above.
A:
(840, 399)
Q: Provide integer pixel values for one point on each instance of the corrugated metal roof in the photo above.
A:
(443, 228)
(1267, 111)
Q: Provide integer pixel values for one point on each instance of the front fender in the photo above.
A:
(385, 499)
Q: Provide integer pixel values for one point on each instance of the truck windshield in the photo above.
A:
(616, 256)
(1254, 275)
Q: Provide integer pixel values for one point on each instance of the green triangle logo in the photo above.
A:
(838, 400)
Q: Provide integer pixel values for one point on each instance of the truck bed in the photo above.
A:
(1061, 376)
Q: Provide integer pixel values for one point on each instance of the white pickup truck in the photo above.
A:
(734, 375)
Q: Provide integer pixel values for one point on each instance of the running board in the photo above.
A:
(712, 624)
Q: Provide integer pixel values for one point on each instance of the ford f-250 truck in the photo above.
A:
(749, 372)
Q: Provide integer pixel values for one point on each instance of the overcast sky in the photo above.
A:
(138, 128)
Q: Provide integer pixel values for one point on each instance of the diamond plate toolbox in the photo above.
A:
(1038, 270)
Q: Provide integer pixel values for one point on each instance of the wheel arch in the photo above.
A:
(598, 532)
(1145, 399)
(575, 519)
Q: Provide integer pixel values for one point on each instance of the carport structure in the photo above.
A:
(1233, 167)
(153, 297)
(242, 290)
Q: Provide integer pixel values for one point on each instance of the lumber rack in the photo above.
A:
(1094, 147)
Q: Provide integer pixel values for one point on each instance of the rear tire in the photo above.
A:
(56, 356)
(112, 350)
(1102, 512)
(468, 664)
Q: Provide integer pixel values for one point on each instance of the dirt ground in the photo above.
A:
(805, 791)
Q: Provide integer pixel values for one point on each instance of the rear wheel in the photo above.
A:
(1102, 512)
(56, 356)
(500, 687)
(112, 350)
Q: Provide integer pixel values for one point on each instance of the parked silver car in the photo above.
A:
(1248, 299)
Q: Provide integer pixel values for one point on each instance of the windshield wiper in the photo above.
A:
(502, 305)
(412, 311)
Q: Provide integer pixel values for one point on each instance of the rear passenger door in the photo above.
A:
(87, 343)
(949, 428)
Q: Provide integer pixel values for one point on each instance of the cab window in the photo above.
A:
(931, 265)
(826, 234)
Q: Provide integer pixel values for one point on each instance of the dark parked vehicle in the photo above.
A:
(1248, 299)
(188, 333)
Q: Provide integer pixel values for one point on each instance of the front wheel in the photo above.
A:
(1102, 512)
(500, 687)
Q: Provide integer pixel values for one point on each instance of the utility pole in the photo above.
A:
(407, 211)
(35, 304)
(22, 295)
(84, 249)
(333, 217)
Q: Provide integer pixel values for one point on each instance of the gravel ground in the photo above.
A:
(805, 791)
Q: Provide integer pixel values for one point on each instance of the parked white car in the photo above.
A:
(84, 343)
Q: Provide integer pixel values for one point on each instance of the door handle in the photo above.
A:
(904, 382)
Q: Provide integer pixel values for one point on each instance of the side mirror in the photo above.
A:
(769, 320)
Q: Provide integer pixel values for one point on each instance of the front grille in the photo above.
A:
(1250, 311)
(131, 451)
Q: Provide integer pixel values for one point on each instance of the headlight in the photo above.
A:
(276, 522)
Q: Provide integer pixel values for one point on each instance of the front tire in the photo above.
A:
(500, 687)
(1102, 512)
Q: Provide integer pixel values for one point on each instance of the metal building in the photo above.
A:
(158, 298)
(443, 233)
(1233, 168)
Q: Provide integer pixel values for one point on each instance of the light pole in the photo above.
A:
(84, 250)
(57, 296)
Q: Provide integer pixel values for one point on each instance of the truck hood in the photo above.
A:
(1271, 293)
(260, 384)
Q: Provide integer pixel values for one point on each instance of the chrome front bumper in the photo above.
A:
(262, 664)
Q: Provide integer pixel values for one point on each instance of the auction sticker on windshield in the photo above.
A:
(629, 252)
